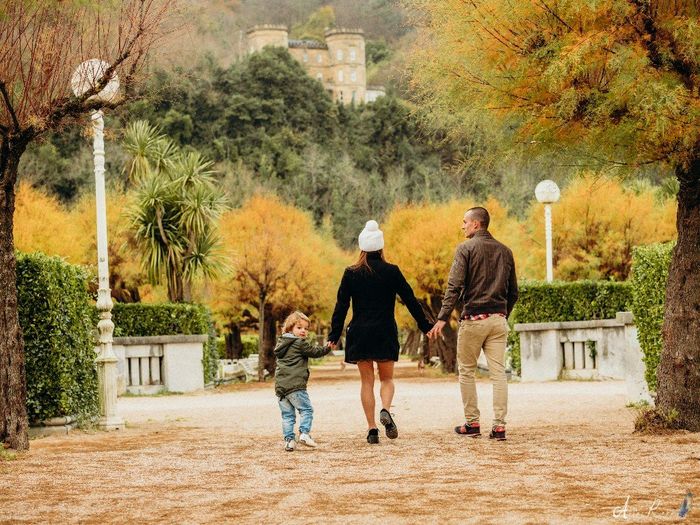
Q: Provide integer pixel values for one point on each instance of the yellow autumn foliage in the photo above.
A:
(422, 239)
(274, 248)
(42, 224)
(595, 225)
(124, 263)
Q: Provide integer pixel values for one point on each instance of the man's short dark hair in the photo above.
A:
(480, 214)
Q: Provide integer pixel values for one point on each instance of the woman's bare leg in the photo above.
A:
(386, 376)
(366, 369)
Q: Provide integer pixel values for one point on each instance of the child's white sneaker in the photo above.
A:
(290, 445)
(305, 439)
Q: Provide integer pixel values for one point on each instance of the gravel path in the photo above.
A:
(217, 456)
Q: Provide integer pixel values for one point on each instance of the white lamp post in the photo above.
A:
(547, 192)
(87, 75)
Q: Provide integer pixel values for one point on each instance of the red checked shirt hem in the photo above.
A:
(480, 317)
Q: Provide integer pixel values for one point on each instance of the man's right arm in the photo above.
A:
(455, 283)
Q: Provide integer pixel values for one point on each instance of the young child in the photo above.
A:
(291, 376)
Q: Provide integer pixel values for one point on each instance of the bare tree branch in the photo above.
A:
(8, 105)
(41, 45)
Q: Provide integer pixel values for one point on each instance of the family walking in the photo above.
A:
(482, 278)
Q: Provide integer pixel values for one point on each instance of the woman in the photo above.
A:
(372, 285)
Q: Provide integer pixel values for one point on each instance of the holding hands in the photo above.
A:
(436, 330)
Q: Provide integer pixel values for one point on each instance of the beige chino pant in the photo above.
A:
(489, 334)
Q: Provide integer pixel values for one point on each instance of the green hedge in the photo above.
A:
(56, 317)
(141, 319)
(541, 302)
(649, 275)
(251, 344)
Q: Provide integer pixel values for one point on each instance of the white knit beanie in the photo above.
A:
(371, 238)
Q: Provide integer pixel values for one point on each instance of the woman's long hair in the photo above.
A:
(362, 265)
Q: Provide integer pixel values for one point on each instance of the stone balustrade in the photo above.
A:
(148, 365)
(585, 350)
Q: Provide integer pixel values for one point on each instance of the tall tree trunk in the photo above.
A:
(234, 344)
(175, 285)
(262, 306)
(425, 350)
(186, 291)
(268, 345)
(412, 343)
(13, 384)
(679, 368)
(446, 347)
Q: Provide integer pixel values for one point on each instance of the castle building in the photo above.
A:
(338, 62)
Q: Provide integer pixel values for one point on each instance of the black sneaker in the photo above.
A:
(469, 429)
(373, 436)
(498, 433)
(385, 419)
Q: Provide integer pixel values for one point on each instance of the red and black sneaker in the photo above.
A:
(498, 433)
(469, 429)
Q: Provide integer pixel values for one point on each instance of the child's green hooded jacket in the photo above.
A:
(292, 372)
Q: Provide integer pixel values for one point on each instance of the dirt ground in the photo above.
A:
(217, 456)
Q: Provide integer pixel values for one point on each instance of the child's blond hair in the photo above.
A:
(292, 319)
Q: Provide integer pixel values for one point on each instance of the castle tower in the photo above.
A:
(267, 35)
(346, 50)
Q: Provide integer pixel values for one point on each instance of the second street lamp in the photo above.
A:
(547, 192)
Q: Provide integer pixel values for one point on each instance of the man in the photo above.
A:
(483, 275)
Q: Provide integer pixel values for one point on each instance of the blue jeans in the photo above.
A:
(297, 400)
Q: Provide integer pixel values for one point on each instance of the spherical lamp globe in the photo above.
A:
(547, 192)
(88, 74)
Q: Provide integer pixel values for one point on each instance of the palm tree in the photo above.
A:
(176, 210)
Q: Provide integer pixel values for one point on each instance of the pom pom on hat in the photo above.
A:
(372, 226)
(371, 238)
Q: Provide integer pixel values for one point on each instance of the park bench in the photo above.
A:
(232, 369)
(229, 370)
(250, 367)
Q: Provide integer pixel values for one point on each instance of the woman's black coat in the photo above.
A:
(372, 333)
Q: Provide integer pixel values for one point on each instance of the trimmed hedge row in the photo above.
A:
(542, 302)
(56, 316)
(649, 275)
(140, 319)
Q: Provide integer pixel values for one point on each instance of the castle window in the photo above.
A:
(353, 54)
(340, 75)
(339, 54)
(353, 76)
(305, 57)
(319, 58)
(319, 77)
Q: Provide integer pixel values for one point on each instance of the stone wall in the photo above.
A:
(148, 365)
(586, 350)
